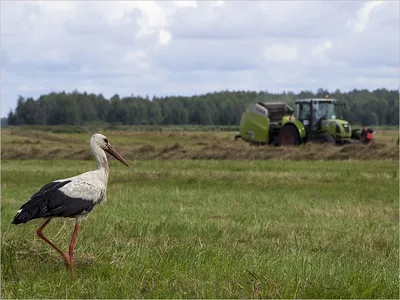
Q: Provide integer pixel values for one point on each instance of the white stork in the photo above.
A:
(72, 197)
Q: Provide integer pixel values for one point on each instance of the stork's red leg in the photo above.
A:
(39, 232)
(72, 248)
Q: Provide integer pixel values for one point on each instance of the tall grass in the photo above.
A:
(212, 229)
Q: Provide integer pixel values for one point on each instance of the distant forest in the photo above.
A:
(378, 107)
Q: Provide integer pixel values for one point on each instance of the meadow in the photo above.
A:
(190, 219)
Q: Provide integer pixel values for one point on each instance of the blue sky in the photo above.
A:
(192, 47)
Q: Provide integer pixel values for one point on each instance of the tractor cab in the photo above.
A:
(311, 111)
(319, 119)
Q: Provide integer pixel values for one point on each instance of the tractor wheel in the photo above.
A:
(289, 136)
(324, 138)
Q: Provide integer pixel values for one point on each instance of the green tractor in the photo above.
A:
(275, 123)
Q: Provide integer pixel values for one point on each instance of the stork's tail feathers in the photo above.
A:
(22, 216)
(27, 212)
(36, 206)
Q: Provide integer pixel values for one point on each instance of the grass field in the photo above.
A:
(181, 228)
(213, 229)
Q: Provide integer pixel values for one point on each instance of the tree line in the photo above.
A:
(378, 107)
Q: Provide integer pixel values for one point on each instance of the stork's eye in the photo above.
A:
(106, 140)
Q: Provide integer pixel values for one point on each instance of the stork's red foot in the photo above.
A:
(69, 263)
(66, 259)
(72, 272)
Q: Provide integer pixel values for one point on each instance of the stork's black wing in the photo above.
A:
(49, 201)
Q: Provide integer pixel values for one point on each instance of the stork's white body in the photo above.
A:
(90, 186)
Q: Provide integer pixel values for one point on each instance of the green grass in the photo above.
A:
(212, 229)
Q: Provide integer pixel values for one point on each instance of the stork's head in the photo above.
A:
(102, 142)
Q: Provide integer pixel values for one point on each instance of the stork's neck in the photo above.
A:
(102, 160)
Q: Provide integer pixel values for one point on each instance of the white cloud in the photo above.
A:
(217, 3)
(134, 56)
(55, 55)
(137, 59)
(363, 16)
(56, 12)
(280, 54)
(154, 17)
(185, 3)
(166, 47)
(320, 50)
(164, 37)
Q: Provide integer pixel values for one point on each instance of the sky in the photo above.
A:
(193, 47)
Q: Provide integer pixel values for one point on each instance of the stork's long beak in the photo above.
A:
(111, 150)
